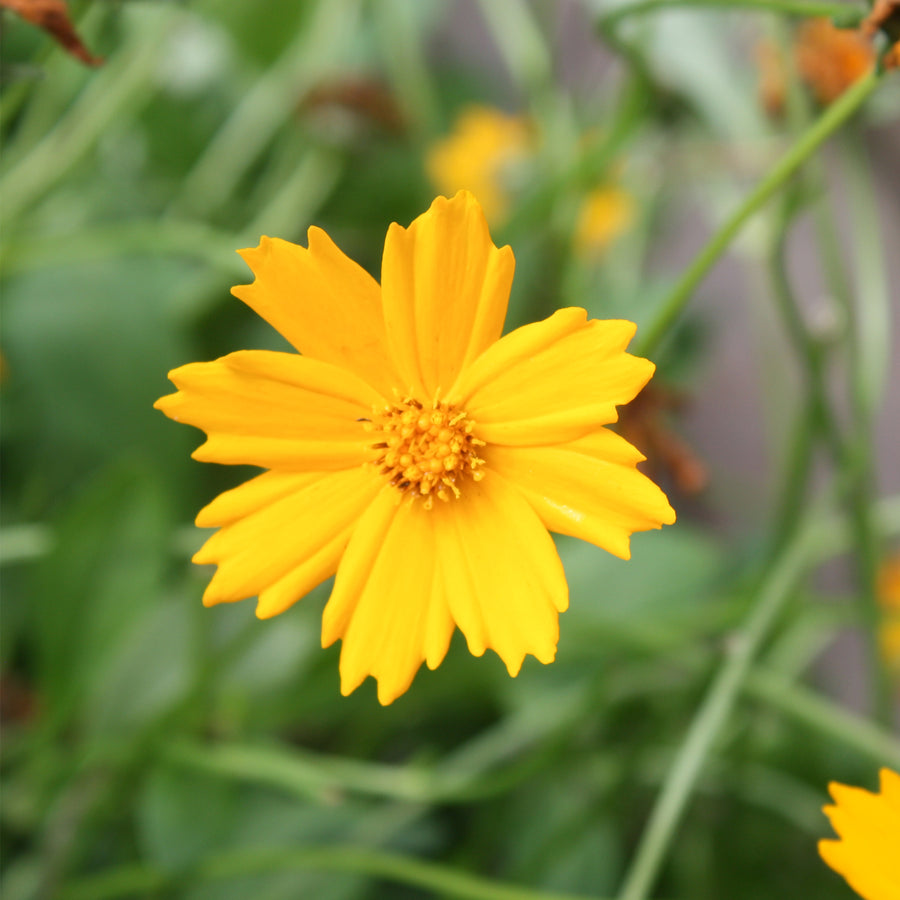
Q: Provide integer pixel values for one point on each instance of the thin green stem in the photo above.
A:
(213, 247)
(411, 77)
(824, 717)
(809, 351)
(443, 880)
(869, 357)
(830, 121)
(714, 712)
(524, 50)
(117, 90)
(872, 319)
(865, 336)
(265, 108)
(847, 15)
(794, 480)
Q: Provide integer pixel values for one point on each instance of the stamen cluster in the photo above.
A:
(425, 451)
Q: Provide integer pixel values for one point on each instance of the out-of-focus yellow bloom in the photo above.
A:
(482, 155)
(487, 152)
(413, 451)
(605, 213)
(867, 853)
(889, 597)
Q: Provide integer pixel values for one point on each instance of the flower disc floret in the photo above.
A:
(425, 451)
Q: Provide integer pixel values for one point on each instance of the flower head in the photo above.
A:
(482, 154)
(606, 213)
(413, 451)
(868, 826)
(830, 59)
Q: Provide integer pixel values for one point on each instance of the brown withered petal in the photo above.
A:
(884, 14)
(53, 17)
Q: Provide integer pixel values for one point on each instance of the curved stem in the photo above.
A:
(714, 712)
(846, 14)
(117, 91)
(443, 880)
(830, 121)
(824, 717)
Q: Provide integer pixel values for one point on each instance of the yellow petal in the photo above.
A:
(252, 495)
(503, 578)
(387, 604)
(865, 875)
(869, 828)
(325, 304)
(445, 287)
(890, 789)
(588, 488)
(273, 410)
(281, 549)
(552, 381)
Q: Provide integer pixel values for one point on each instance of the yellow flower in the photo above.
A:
(889, 597)
(869, 829)
(481, 155)
(605, 214)
(413, 451)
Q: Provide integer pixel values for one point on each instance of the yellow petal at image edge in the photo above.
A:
(869, 828)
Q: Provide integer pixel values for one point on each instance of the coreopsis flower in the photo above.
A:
(489, 152)
(868, 826)
(413, 451)
(605, 213)
(484, 154)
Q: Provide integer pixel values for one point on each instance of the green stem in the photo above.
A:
(869, 360)
(824, 717)
(809, 351)
(848, 16)
(794, 480)
(830, 121)
(872, 319)
(178, 238)
(524, 50)
(411, 77)
(714, 712)
(443, 880)
(119, 88)
(265, 108)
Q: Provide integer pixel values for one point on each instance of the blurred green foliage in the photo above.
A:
(156, 749)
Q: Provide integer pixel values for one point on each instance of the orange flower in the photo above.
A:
(831, 59)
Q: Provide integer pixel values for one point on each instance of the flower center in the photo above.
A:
(425, 451)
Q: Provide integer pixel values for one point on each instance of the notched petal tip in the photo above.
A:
(165, 402)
